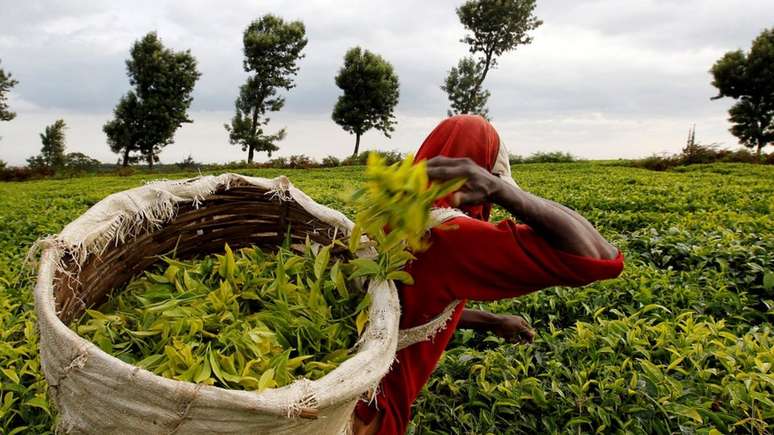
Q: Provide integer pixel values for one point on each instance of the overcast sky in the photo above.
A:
(602, 79)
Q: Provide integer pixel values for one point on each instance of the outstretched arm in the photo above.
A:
(513, 329)
(563, 228)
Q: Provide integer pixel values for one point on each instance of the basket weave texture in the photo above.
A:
(121, 236)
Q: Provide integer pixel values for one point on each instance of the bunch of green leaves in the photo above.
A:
(393, 210)
(250, 320)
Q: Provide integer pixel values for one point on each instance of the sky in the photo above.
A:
(602, 79)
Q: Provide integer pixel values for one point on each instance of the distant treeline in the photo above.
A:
(299, 161)
(79, 165)
(694, 153)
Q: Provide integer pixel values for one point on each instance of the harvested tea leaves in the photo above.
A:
(245, 319)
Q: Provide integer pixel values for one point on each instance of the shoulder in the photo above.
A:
(468, 234)
(463, 225)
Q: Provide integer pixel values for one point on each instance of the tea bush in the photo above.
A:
(680, 343)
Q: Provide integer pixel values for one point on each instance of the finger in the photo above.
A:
(456, 199)
(459, 198)
(442, 161)
(525, 326)
(445, 172)
(466, 197)
(447, 161)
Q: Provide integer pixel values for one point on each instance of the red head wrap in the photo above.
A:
(468, 136)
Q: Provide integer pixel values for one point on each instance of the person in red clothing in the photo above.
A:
(470, 258)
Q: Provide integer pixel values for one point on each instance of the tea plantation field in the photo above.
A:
(682, 342)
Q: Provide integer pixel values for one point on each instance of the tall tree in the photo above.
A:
(464, 90)
(496, 27)
(146, 118)
(272, 48)
(371, 92)
(52, 154)
(6, 83)
(124, 130)
(53, 140)
(749, 79)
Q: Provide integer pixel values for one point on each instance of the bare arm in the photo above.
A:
(560, 226)
(512, 328)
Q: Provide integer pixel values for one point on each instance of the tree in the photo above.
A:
(749, 79)
(691, 147)
(146, 118)
(6, 83)
(272, 48)
(371, 92)
(52, 155)
(462, 87)
(496, 27)
(124, 130)
(79, 162)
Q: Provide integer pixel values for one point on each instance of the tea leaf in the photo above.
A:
(401, 276)
(364, 267)
(360, 322)
(321, 261)
(11, 374)
(267, 380)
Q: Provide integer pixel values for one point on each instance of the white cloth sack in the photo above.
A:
(97, 393)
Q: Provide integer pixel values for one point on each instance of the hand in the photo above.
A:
(480, 186)
(514, 329)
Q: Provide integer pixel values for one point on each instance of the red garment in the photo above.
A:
(477, 260)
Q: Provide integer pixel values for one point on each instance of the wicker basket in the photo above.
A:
(121, 236)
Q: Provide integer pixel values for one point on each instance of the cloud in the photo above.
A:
(599, 74)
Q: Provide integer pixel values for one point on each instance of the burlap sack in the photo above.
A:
(117, 238)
